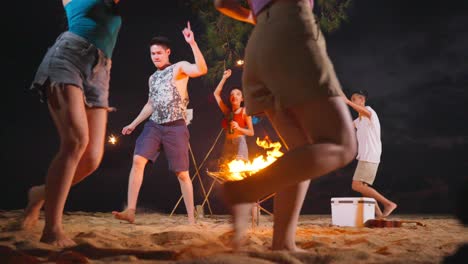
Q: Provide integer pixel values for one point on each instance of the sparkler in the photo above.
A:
(112, 139)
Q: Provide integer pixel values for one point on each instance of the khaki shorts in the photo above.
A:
(286, 61)
(366, 172)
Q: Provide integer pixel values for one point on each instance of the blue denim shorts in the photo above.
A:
(72, 60)
(171, 137)
(235, 148)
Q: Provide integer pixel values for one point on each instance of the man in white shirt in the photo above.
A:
(369, 150)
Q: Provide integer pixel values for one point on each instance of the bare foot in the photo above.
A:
(33, 209)
(126, 215)
(378, 212)
(293, 249)
(240, 214)
(388, 209)
(240, 221)
(300, 250)
(286, 245)
(58, 239)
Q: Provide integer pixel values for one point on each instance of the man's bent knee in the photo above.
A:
(183, 176)
(357, 186)
(139, 161)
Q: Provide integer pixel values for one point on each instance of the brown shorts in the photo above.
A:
(286, 62)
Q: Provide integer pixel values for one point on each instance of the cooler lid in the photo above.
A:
(346, 200)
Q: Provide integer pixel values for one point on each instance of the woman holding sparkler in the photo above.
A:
(288, 75)
(236, 123)
(74, 80)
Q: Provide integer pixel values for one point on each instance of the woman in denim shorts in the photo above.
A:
(73, 79)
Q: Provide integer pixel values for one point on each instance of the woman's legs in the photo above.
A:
(321, 139)
(97, 119)
(81, 134)
(66, 106)
(287, 207)
(92, 157)
(36, 196)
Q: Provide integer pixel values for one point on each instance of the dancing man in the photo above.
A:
(166, 109)
(369, 150)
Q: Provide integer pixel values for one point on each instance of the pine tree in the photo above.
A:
(224, 39)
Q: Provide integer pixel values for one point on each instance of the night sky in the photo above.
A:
(412, 57)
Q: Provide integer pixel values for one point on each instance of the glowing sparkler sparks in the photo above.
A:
(112, 140)
(240, 62)
(239, 169)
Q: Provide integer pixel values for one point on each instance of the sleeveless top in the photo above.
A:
(95, 21)
(258, 5)
(168, 104)
(239, 118)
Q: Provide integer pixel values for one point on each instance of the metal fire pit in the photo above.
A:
(222, 176)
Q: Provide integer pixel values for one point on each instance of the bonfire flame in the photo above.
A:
(239, 169)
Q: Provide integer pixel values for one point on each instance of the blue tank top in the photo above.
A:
(94, 21)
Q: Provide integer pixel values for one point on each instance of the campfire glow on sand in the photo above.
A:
(239, 169)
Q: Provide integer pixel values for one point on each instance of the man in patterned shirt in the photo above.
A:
(166, 109)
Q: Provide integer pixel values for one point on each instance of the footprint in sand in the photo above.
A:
(383, 251)
(350, 242)
(7, 238)
(311, 244)
(173, 237)
(13, 226)
(9, 255)
(86, 235)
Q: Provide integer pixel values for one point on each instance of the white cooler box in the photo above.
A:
(352, 211)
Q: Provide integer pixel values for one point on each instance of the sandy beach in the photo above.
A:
(158, 238)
